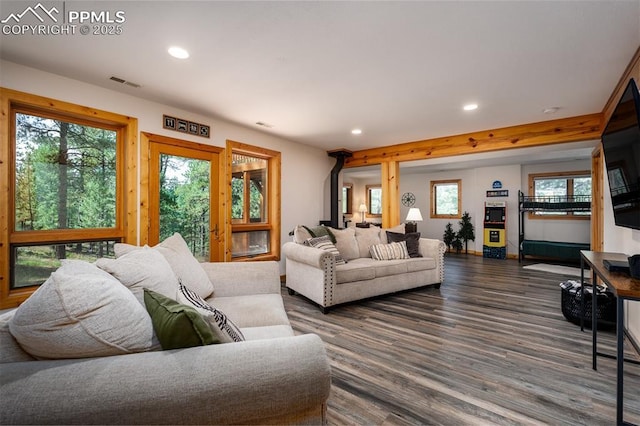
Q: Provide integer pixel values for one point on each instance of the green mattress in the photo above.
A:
(554, 249)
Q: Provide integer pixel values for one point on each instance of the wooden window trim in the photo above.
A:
(558, 175)
(432, 191)
(274, 201)
(126, 223)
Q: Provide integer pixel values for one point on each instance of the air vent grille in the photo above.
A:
(123, 81)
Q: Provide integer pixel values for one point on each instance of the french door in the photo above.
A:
(183, 195)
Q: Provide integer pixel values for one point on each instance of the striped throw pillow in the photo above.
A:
(391, 251)
(325, 243)
(224, 329)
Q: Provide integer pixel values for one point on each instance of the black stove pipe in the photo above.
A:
(340, 156)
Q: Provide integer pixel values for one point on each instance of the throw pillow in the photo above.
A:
(224, 329)
(140, 269)
(391, 251)
(177, 325)
(80, 312)
(346, 243)
(325, 243)
(300, 234)
(367, 237)
(412, 239)
(320, 231)
(185, 266)
(398, 228)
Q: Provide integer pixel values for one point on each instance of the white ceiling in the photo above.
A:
(400, 71)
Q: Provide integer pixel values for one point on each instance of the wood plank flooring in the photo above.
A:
(491, 346)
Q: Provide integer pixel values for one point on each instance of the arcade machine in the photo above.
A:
(495, 233)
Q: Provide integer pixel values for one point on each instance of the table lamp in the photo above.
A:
(413, 216)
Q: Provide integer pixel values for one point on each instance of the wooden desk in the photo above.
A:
(625, 288)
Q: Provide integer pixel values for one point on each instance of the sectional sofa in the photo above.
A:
(84, 350)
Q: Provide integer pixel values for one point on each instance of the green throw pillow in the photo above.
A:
(177, 325)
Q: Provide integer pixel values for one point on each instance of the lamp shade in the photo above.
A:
(362, 208)
(414, 215)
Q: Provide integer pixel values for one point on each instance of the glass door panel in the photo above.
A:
(184, 201)
(183, 191)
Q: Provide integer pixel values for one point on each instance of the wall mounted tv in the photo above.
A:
(621, 145)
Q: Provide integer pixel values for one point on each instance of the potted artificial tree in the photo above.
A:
(449, 236)
(466, 231)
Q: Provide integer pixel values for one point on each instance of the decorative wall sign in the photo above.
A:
(499, 193)
(496, 184)
(185, 126)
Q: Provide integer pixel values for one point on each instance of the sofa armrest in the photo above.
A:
(434, 249)
(311, 256)
(217, 384)
(243, 278)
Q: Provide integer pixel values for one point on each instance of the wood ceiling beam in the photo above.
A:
(564, 130)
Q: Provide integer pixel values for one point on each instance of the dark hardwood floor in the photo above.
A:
(491, 346)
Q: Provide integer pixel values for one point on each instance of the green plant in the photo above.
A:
(457, 243)
(449, 236)
(466, 231)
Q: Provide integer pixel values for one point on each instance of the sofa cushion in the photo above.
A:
(140, 269)
(223, 328)
(421, 264)
(185, 266)
(391, 251)
(267, 332)
(385, 268)
(346, 243)
(366, 238)
(254, 310)
(10, 350)
(81, 314)
(324, 243)
(412, 239)
(356, 270)
(400, 229)
(177, 325)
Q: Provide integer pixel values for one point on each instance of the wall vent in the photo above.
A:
(123, 81)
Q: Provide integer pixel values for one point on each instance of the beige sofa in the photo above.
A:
(315, 273)
(273, 377)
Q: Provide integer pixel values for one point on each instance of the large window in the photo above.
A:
(562, 189)
(65, 199)
(446, 199)
(255, 201)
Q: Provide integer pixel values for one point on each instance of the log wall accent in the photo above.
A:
(564, 130)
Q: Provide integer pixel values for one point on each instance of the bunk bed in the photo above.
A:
(550, 249)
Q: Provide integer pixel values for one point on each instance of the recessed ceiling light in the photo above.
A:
(356, 132)
(550, 110)
(178, 52)
(470, 107)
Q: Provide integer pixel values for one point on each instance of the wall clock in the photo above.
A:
(408, 199)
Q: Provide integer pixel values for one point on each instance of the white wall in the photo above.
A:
(304, 168)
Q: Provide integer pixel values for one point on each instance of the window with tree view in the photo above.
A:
(255, 196)
(446, 199)
(65, 183)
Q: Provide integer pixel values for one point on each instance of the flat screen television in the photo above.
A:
(621, 145)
